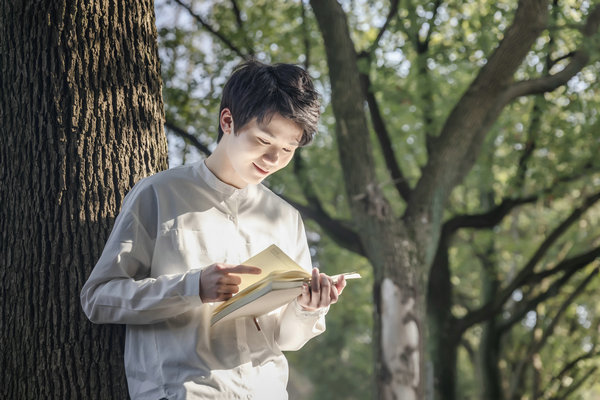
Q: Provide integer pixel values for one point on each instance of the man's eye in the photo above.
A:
(287, 150)
(263, 141)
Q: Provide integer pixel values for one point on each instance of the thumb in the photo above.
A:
(340, 284)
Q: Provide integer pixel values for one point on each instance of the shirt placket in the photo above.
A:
(234, 247)
(245, 369)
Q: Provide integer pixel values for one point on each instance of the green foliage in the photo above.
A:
(560, 172)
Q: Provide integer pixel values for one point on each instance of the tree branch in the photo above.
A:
(549, 82)
(305, 36)
(470, 351)
(564, 265)
(578, 290)
(213, 31)
(337, 230)
(391, 14)
(573, 363)
(555, 61)
(553, 290)
(482, 313)
(487, 219)
(549, 62)
(552, 238)
(424, 81)
(238, 14)
(530, 144)
(424, 45)
(369, 206)
(536, 345)
(576, 385)
(464, 131)
(307, 187)
(188, 137)
(383, 137)
(585, 169)
(240, 24)
(579, 59)
(493, 216)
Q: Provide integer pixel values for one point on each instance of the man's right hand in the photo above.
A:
(218, 282)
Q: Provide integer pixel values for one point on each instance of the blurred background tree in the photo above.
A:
(483, 121)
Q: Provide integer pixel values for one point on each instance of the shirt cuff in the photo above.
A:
(192, 286)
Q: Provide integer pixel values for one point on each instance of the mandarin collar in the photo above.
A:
(224, 188)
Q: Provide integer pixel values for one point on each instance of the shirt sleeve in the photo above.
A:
(120, 289)
(297, 326)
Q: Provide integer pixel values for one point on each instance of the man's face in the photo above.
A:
(256, 151)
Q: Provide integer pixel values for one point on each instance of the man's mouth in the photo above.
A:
(262, 171)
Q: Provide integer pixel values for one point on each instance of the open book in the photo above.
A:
(279, 282)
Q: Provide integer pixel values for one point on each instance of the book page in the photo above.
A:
(280, 280)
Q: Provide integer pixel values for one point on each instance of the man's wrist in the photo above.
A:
(302, 310)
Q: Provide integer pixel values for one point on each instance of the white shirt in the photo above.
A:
(171, 226)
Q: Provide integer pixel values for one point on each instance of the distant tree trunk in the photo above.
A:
(399, 291)
(443, 340)
(81, 120)
(402, 249)
(489, 348)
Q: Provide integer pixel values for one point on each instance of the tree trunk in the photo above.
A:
(389, 244)
(402, 249)
(489, 348)
(443, 340)
(81, 120)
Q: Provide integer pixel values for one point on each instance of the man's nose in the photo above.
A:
(271, 156)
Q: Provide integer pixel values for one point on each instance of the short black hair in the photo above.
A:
(257, 90)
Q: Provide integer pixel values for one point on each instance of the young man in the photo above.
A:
(175, 250)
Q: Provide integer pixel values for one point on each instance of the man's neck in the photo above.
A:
(218, 165)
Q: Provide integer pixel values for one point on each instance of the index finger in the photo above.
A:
(244, 269)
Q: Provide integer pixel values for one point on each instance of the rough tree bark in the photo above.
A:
(81, 120)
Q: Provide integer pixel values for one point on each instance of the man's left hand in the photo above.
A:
(322, 291)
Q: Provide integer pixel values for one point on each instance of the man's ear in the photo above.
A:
(226, 121)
